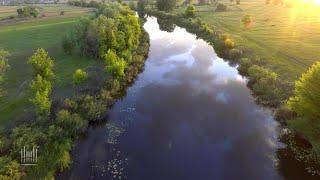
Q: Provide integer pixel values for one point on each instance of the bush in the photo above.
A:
(3, 69)
(132, 5)
(71, 124)
(79, 76)
(190, 11)
(62, 13)
(235, 54)
(229, 43)
(166, 5)
(238, 2)
(67, 44)
(244, 65)
(28, 12)
(114, 64)
(264, 84)
(221, 7)
(246, 20)
(92, 108)
(9, 170)
(42, 64)
(283, 114)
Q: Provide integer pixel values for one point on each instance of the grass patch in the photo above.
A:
(21, 40)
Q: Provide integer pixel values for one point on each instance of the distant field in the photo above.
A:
(21, 40)
(45, 10)
(289, 38)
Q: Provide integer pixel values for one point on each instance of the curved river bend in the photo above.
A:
(189, 115)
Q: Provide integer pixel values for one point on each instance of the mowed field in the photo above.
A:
(288, 38)
(21, 39)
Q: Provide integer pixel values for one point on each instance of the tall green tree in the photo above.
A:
(41, 85)
(305, 103)
(306, 99)
(3, 69)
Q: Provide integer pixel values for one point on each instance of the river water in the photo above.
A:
(189, 115)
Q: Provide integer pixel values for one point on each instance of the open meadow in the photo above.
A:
(287, 38)
(21, 39)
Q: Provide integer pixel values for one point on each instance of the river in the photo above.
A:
(189, 115)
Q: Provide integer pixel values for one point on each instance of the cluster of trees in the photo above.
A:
(112, 36)
(28, 11)
(3, 69)
(83, 3)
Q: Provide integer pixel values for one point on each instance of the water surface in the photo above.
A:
(189, 115)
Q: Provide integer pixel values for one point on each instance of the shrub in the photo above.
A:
(42, 64)
(3, 69)
(114, 64)
(238, 2)
(72, 124)
(28, 11)
(26, 136)
(141, 5)
(92, 108)
(229, 43)
(62, 13)
(244, 65)
(132, 5)
(79, 76)
(264, 83)
(235, 54)
(9, 170)
(166, 5)
(283, 114)
(221, 7)
(40, 84)
(190, 11)
(67, 44)
(246, 20)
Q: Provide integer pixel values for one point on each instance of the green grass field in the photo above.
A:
(288, 38)
(21, 40)
(45, 10)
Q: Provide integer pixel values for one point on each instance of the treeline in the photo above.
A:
(122, 44)
(296, 104)
(28, 11)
